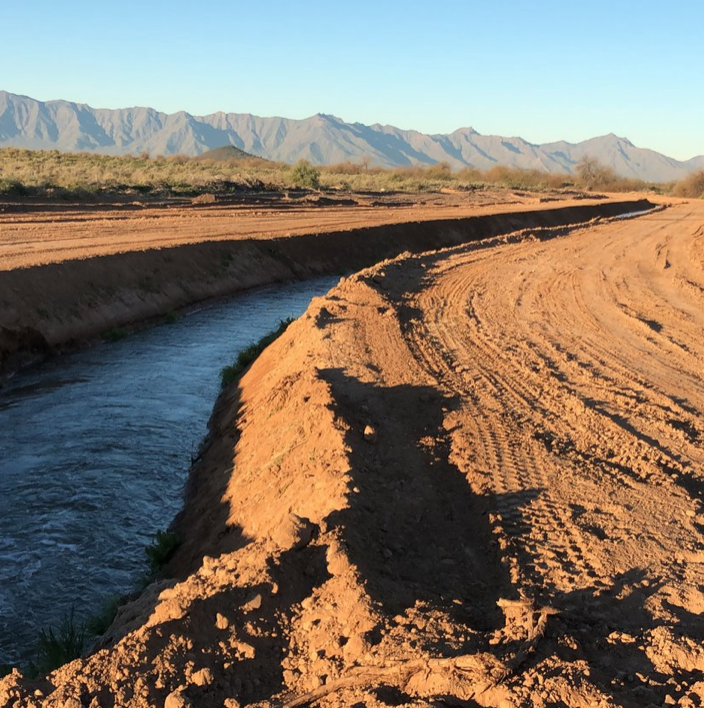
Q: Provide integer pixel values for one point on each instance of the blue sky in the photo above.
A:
(542, 70)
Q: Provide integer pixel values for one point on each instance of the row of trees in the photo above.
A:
(589, 174)
(74, 174)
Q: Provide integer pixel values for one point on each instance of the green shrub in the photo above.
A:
(230, 374)
(440, 171)
(98, 624)
(58, 647)
(13, 187)
(305, 175)
(161, 550)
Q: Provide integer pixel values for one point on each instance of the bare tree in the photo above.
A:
(589, 169)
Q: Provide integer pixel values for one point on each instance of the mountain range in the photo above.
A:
(321, 139)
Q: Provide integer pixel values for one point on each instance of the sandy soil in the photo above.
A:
(472, 477)
(34, 233)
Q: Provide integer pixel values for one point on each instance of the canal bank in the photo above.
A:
(60, 306)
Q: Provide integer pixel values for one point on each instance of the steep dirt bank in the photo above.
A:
(61, 304)
(471, 477)
(36, 233)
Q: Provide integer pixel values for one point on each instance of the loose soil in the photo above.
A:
(469, 477)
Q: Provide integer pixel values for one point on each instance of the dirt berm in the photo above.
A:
(47, 307)
(465, 478)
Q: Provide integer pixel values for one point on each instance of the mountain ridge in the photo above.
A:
(322, 139)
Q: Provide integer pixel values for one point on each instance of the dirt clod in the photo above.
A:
(370, 434)
(294, 532)
(176, 699)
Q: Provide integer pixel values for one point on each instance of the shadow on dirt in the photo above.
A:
(420, 538)
(414, 529)
(244, 650)
(202, 523)
(604, 629)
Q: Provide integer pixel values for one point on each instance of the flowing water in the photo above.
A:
(95, 449)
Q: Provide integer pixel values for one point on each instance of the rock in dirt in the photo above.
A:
(253, 603)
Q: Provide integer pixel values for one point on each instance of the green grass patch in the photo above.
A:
(230, 374)
(58, 646)
(98, 624)
(162, 550)
(115, 334)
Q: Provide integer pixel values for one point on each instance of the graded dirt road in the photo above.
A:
(470, 477)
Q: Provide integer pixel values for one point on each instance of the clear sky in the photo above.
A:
(545, 70)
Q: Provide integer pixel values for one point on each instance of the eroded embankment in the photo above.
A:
(468, 477)
(48, 307)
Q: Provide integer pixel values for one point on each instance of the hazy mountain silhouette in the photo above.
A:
(63, 125)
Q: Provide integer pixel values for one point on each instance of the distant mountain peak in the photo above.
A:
(322, 138)
(612, 138)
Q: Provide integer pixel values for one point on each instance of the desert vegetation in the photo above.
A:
(230, 374)
(58, 646)
(27, 172)
(692, 186)
(160, 552)
(305, 175)
(70, 175)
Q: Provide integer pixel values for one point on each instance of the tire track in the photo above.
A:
(566, 397)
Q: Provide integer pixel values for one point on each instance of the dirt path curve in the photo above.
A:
(469, 477)
(579, 372)
(579, 366)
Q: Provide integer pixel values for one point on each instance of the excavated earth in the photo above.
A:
(71, 273)
(470, 477)
(35, 232)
